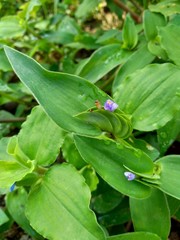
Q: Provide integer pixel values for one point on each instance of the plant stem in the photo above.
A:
(137, 5)
(145, 4)
(12, 120)
(127, 9)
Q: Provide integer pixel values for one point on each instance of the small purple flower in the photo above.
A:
(129, 175)
(110, 105)
(12, 187)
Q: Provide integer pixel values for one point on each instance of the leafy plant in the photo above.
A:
(92, 154)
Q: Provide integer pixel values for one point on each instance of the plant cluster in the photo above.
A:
(88, 117)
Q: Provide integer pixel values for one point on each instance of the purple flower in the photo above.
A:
(110, 105)
(12, 187)
(129, 175)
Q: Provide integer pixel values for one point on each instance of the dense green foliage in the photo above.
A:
(90, 108)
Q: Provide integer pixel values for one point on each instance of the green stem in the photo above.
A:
(136, 4)
(12, 120)
(55, 6)
(145, 4)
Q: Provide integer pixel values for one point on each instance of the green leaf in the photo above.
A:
(106, 200)
(151, 22)
(109, 37)
(30, 8)
(66, 32)
(151, 151)
(90, 176)
(135, 236)
(13, 168)
(11, 27)
(12, 171)
(174, 205)
(150, 95)
(4, 63)
(155, 48)
(178, 214)
(131, 65)
(168, 134)
(129, 33)
(102, 61)
(3, 217)
(61, 95)
(64, 189)
(40, 138)
(71, 154)
(85, 8)
(118, 216)
(169, 176)
(118, 123)
(168, 7)
(98, 119)
(15, 202)
(108, 159)
(170, 38)
(175, 19)
(155, 206)
(3, 149)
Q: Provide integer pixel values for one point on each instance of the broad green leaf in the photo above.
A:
(29, 8)
(6, 127)
(151, 214)
(175, 20)
(40, 138)
(174, 205)
(109, 37)
(151, 96)
(169, 176)
(71, 154)
(155, 48)
(178, 214)
(90, 176)
(168, 7)
(4, 63)
(108, 159)
(151, 151)
(151, 22)
(15, 202)
(3, 149)
(131, 65)
(118, 216)
(3, 217)
(86, 7)
(129, 33)
(11, 27)
(102, 61)
(170, 38)
(106, 201)
(70, 217)
(12, 171)
(66, 32)
(135, 236)
(12, 167)
(4, 87)
(61, 95)
(168, 134)
(118, 124)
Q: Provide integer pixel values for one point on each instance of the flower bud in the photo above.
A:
(129, 175)
(110, 105)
